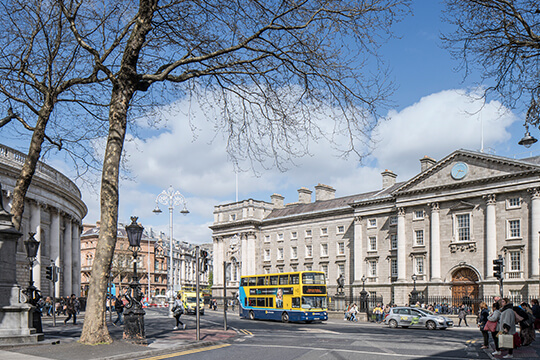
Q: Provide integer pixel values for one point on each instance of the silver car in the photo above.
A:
(412, 316)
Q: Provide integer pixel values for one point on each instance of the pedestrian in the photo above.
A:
(507, 323)
(119, 308)
(462, 315)
(536, 312)
(70, 309)
(353, 312)
(178, 310)
(49, 306)
(482, 320)
(378, 311)
(495, 316)
(526, 323)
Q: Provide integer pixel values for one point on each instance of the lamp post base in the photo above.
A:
(134, 326)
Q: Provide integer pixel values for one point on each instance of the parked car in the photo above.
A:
(412, 316)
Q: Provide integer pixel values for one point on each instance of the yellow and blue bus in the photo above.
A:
(293, 296)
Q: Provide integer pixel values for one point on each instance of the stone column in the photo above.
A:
(491, 234)
(245, 261)
(218, 276)
(67, 260)
(401, 250)
(358, 250)
(435, 243)
(55, 245)
(35, 227)
(251, 238)
(535, 231)
(76, 259)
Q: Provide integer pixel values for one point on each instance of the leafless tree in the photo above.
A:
(273, 66)
(501, 38)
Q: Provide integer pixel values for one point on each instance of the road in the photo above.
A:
(333, 339)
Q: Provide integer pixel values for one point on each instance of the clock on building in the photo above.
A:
(459, 171)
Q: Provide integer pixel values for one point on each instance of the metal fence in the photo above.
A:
(450, 305)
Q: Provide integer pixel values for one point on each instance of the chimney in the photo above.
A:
(426, 162)
(304, 195)
(277, 201)
(388, 179)
(324, 192)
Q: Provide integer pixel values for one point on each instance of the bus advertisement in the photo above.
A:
(294, 296)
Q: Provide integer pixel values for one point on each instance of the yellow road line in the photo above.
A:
(246, 332)
(187, 352)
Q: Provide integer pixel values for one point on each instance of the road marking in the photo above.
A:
(187, 352)
(246, 332)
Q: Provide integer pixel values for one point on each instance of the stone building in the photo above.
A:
(53, 211)
(446, 225)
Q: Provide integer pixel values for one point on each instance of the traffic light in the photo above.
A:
(204, 260)
(498, 268)
(49, 272)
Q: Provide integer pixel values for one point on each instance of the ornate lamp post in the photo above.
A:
(532, 118)
(414, 293)
(32, 293)
(172, 198)
(363, 297)
(134, 314)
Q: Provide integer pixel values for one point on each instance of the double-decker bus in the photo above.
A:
(293, 296)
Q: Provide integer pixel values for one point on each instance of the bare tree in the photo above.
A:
(274, 68)
(42, 67)
(502, 39)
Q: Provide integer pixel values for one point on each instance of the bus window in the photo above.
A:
(295, 302)
(273, 280)
(243, 282)
(270, 302)
(313, 302)
(294, 279)
(283, 279)
(260, 280)
(252, 302)
(252, 281)
(261, 302)
(313, 278)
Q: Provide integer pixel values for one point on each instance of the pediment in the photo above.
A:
(466, 167)
(462, 206)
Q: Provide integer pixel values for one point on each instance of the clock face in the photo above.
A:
(459, 170)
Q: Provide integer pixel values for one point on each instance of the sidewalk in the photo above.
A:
(525, 352)
(61, 341)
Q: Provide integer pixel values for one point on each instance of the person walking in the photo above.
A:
(119, 308)
(526, 325)
(495, 316)
(507, 323)
(70, 309)
(378, 311)
(462, 315)
(536, 312)
(482, 320)
(178, 310)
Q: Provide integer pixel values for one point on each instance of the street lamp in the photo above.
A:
(172, 198)
(134, 314)
(32, 293)
(363, 297)
(532, 118)
(414, 293)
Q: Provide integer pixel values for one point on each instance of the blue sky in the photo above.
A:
(433, 116)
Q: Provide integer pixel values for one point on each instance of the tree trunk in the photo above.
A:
(29, 167)
(95, 328)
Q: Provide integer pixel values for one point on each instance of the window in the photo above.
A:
(393, 220)
(294, 268)
(324, 231)
(280, 253)
(324, 249)
(372, 243)
(419, 265)
(309, 267)
(266, 238)
(294, 235)
(514, 228)
(341, 270)
(266, 254)
(324, 268)
(393, 241)
(419, 237)
(309, 251)
(294, 252)
(372, 268)
(463, 229)
(280, 269)
(393, 268)
(513, 203)
(89, 260)
(515, 261)
(372, 223)
(280, 237)
(340, 229)
(233, 217)
(267, 270)
(308, 233)
(418, 214)
(341, 248)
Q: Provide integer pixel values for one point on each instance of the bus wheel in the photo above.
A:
(285, 317)
(251, 315)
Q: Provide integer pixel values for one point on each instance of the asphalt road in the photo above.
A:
(334, 339)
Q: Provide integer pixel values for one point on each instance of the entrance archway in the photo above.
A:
(465, 288)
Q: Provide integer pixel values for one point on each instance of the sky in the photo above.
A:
(434, 114)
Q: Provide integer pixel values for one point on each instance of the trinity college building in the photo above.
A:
(446, 225)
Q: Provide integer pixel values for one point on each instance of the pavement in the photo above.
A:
(61, 340)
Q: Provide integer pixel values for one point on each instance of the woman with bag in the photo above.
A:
(482, 320)
(493, 324)
(178, 310)
(507, 326)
